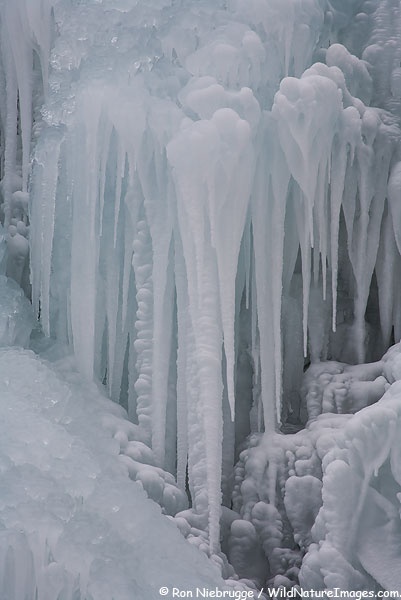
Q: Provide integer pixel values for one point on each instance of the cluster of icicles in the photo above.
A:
(181, 190)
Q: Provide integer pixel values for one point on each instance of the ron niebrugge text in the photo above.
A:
(213, 593)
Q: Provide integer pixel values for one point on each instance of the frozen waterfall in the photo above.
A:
(201, 199)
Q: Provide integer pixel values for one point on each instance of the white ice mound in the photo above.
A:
(357, 532)
(335, 387)
(72, 524)
(16, 314)
(325, 502)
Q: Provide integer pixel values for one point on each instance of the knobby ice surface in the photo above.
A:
(201, 199)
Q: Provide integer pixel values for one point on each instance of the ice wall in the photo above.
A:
(214, 190)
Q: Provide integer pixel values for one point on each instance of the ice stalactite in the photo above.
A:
(85, 232)
(265, 257)
(10, 128)
(182, 367)
(202, 202)
(20, 46)
(143, 342)
(25, 33)
(43, 224)
(156, 189)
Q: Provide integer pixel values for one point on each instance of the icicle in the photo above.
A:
(112, 276)
(228, 448)
(111, 251)
(306, 265)
(204, 311)
(151, 169)
(386, 273)
(102, 170)
(315, 264)
(11, 124)
(182, 318)
(228, 199)
(3, 95)
(30, 24)
(247, 260)
(209, 347)
(129, 228)
(120, 171)
(197, 468)
(394, 195)
(142, 263)
(170, 460)
(280, 183)
(361, 274)
(373, 155)
(163, 288)
(39, 21)
(132, 357)
(256, 415)
(263, 237)
(291, 241)
(42, 225)
(23, 60)
(338, 166)
(322, 222)
(85, 233)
